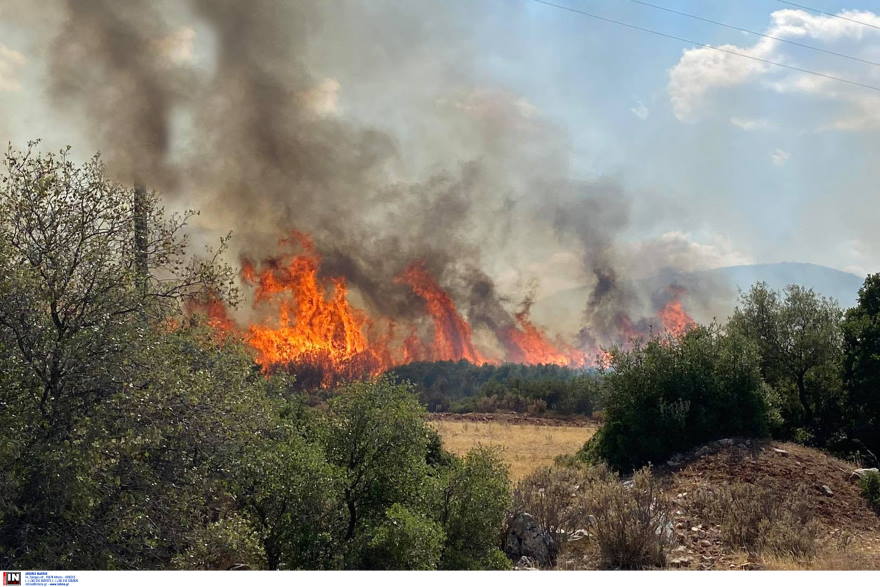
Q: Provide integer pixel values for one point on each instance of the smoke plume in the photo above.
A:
(250, 130)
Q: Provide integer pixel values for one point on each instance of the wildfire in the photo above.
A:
(673, 317)
(528, 344)
(306, 323)
(452, 335)
(314, 326)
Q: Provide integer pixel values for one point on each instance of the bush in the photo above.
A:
(405, 540)
(556, 497)
(758, 520)
(670, 394)
(294, 497)
(221, 545)
(870, 485)
(630, 522)
(472, 510)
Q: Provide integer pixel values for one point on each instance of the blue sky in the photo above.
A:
(729, 160)
(771, 185)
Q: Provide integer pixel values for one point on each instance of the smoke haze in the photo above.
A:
(254, 113)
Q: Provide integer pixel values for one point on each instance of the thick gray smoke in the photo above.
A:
(105, 68)
(477, 187)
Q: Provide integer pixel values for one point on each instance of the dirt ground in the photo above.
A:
(850, 528)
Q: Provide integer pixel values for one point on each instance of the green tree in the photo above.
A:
(405, 540)
(71, 298)
(861, 329)
(378, 437)
(799, 337)
(294, 497)
(669, 394)
(107, 391)
(472, 508)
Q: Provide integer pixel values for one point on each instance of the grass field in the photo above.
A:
(525, 446)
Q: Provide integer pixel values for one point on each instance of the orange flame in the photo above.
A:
(313, 326)
(215, 313)
(528, 344)
(452, 334)
(673, 317)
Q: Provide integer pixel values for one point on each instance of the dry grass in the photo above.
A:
(525, 447)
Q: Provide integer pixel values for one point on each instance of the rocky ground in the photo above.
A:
(850, 529)
(847, 528)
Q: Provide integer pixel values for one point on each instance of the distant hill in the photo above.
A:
(714, 292)
(832, 283)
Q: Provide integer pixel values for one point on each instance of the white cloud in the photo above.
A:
(702, 78)
(10, 61)
(779, 157)
(701, 70)
(640, 110)
(751, 123)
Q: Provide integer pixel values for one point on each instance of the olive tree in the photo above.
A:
(74, 296)
(799, 337)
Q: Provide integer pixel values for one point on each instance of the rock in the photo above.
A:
(680, 561)
(578, 534)
(525, 564)
(675, 460)
(826, 490)
(526, 538)
(781, 452)
(861, 473)
(705, 543)
(667, 531)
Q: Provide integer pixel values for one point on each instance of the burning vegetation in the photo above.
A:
(303, 321)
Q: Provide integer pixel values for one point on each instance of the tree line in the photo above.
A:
(789, 364)
(460, 386)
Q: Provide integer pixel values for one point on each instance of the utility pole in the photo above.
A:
(141, 237)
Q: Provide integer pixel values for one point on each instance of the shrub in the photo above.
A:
(758, 520)
(294, 497)
(630, 522)
(221, 545)
(870, 485)
(472, 510)
(556, 496)
(377, 435)
(405, 540)
(670, 394)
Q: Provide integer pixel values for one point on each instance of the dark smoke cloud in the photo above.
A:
(106, 67)
(262, 158)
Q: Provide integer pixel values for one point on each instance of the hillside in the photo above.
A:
(848, 529)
